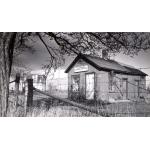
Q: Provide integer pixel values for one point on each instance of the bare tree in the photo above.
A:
(59, 43)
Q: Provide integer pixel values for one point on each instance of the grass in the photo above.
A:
(53, 108)
(59, 111)
(128, 109)
(46, 108)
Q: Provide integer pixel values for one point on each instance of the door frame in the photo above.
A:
(94, 84)
(71, 82)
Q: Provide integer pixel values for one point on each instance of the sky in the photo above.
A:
(142, 60)
(35, 60)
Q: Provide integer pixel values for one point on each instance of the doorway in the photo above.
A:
(75, 87)
(90, 86)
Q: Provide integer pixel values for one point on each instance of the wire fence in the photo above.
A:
(117, 91)
(100, 107)
(103, 109)
(61, 87)
(100, 86)
(84, 92)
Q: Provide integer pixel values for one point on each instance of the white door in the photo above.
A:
(90, 86)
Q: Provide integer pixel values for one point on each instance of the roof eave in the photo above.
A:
(73, 63)
(80, 56)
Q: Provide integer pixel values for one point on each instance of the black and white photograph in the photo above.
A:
(75, 74)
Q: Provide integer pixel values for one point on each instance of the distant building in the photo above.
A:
(23, 73)
(94, 78)
(39, 79)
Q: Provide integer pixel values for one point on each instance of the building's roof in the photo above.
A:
(106, 65)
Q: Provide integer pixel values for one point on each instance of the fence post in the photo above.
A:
(29, 92)
(17, 81)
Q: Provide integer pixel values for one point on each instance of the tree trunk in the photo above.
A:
(6, 55)
(4, 86)
(4, 79)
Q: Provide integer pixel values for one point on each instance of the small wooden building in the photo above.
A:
(95, 78)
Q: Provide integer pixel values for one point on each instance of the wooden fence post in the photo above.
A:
(17, 81)
(29, 92)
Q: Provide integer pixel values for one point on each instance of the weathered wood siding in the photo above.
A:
(102, 84)
(101, 81)
(132, 88)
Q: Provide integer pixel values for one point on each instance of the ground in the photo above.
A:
(48, 107)
(128, 109)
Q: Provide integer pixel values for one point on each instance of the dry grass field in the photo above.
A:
(46, 107)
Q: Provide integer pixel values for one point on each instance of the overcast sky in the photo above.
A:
(36, 60)
(140, 61)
